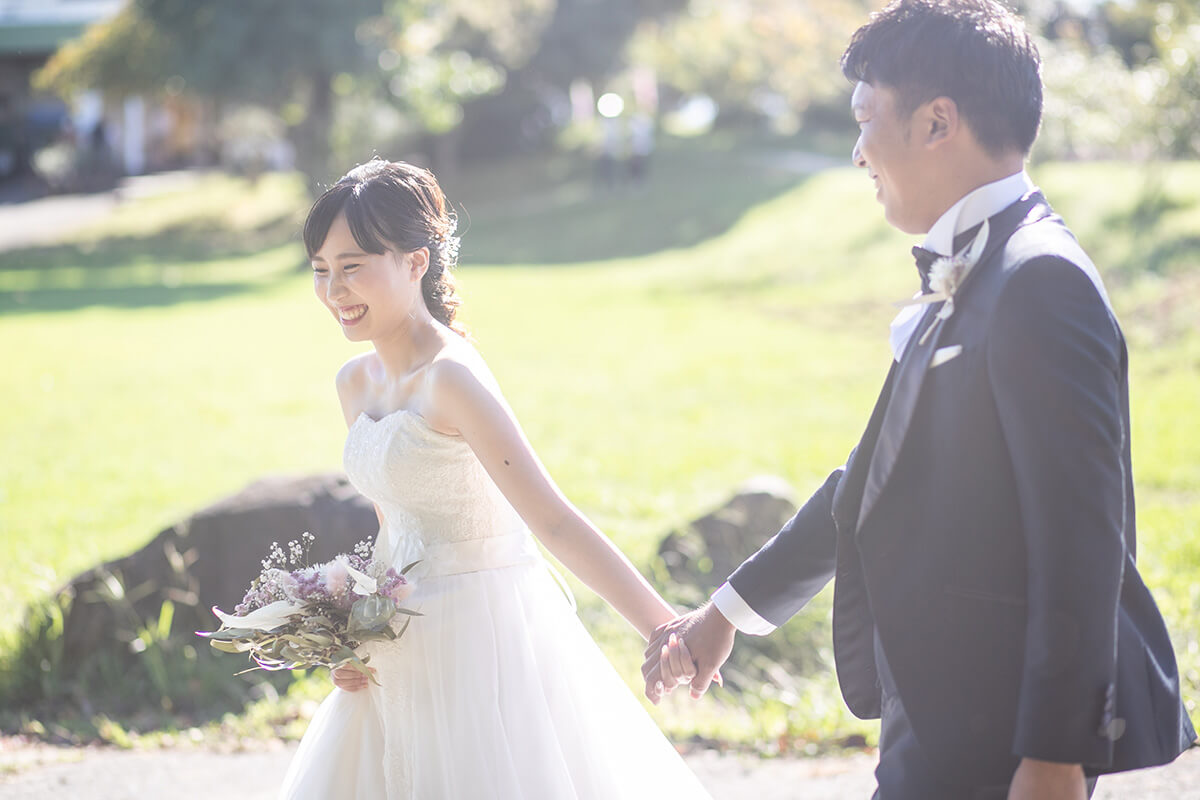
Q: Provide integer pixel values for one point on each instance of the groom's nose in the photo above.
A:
(856, 154)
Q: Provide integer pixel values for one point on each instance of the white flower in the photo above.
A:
(945, 275)
(337, 573)
(267, 618)
(363, 584)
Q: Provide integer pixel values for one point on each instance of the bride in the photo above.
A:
(497, 691)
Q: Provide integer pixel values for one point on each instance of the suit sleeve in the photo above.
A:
(1056, 363)
(790, 568)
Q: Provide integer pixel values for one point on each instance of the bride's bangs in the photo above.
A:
(365, 225)
(340, 198)
(321, 216)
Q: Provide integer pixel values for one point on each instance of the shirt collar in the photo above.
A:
(974, 207)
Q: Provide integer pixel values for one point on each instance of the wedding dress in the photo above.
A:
(497, 691)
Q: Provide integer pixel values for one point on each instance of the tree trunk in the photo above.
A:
(311, 138)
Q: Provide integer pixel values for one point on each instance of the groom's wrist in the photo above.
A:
(738, 613)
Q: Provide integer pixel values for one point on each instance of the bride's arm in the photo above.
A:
(467, 400)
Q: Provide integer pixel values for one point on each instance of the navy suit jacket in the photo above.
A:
(984, 526)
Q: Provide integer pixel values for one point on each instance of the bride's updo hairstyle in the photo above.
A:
(393, 205)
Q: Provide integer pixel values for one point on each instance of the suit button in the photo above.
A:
(1111, 726)
(1112, 729)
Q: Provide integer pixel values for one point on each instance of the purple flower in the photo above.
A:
(396, 586)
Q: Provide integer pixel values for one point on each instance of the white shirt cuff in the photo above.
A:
(738, 612)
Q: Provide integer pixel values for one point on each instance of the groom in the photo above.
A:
(981, 536)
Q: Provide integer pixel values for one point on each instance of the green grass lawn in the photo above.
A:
(660, 346)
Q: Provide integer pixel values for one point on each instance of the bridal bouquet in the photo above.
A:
(297, 616)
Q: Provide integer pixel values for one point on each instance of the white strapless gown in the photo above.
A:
(497, 691)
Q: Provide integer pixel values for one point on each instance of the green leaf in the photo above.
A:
(360, 665)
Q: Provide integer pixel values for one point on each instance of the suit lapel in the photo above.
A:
(914, 365)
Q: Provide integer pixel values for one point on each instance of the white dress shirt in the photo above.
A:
(972, 209)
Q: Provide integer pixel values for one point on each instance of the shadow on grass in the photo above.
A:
(1153, 203)
(691, 195)
(543, 211)
(1165, 256)
(1141, 223)
(197, 241)
(131, 296)
(162, 269)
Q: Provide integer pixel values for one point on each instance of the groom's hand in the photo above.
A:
(688, 649)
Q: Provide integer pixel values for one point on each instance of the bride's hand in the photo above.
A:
(349, 679)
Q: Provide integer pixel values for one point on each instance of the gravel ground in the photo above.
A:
(199, 774)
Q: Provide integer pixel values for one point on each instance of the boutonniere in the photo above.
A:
(946, 276)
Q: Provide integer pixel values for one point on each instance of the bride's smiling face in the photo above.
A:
(368, 294)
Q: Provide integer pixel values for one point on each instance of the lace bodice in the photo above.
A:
(434, 493)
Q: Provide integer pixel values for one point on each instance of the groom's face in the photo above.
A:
(890, 150)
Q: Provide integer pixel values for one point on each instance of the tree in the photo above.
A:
(754, 56)
(273, 52)
(575, 39)
(478, 69)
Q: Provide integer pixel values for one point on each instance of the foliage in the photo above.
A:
(1163, 40)
(1178, 38)
(278, 54)
(774, 58)
(578, 40)
(738, 309)
(148, 677)
(1095, 105)
(318, 63)
(126, 54)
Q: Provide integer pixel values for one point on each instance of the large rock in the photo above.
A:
(210, 558)
(700, 556)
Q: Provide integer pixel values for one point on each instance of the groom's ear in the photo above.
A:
(939, 121)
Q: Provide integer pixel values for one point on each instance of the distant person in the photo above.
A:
(98, 139)
(608, 162)
(981, 536)
(641, 146)
(497, 691)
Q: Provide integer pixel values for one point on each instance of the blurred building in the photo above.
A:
(30, 32)
(94, 136)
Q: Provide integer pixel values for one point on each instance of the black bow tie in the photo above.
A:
(925, 258)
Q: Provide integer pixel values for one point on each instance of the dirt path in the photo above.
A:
(200, 774)
(45, 220)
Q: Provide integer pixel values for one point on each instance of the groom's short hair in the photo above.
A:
(975, 52)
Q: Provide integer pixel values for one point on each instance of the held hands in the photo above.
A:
(348, 679)
(695, 644)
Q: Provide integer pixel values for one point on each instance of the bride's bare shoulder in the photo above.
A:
(351, 382)
(458, 361)
(458, 380)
